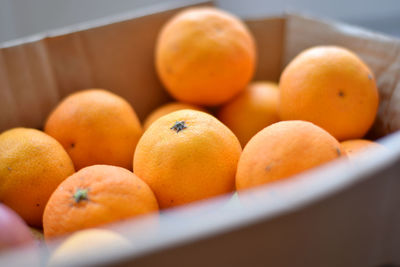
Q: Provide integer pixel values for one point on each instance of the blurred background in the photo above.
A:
(19, 18)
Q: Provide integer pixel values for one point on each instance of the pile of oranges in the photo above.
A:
(94, 162)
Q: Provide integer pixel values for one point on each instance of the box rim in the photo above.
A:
(104, 21)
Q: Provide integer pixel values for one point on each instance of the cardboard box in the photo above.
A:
(335, 215)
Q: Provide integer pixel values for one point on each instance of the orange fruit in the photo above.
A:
(205, 56)
(166, 109)
(32, 165)
(96, 127)
(96, 195)
(186, 156)
(284, 149)
(87, 244)
(252, 110)
(356, 146)
(331, 87)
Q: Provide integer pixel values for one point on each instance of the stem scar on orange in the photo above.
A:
(165, 109)
(179, 126)
(80, 194)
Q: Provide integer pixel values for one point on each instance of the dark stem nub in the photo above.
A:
(338, 152)
(179, 126)
(81, 194)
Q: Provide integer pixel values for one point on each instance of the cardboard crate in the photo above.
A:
(334, 215)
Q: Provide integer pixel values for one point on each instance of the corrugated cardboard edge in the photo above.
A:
(380, 52)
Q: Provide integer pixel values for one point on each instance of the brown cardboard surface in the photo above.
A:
(27, 86)
(338, 215)
(117, 56)
(268, 34)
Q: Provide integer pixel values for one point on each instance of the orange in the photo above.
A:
(86, 244)
(252, 110)
(205, 56)
(32, 165)
(284, 149)
(356, 146)
(186, 156)
(96, 195)
(96, 127)
(331, 87)
(165, 109)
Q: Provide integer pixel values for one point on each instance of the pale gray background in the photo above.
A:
(19, 18)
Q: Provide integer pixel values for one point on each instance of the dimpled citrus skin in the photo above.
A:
(111, 194)
(356, 146)
(205, 56)
(284, 149)
(96, 127)
(331, 87)
(252, 110)
(32, 165)
(193, 163)
(165, 109)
